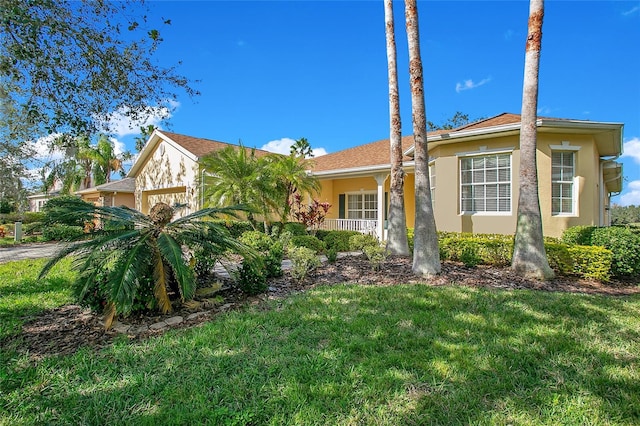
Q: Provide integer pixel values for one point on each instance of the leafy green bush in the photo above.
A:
(559, 257)
(273, 260)
(61, 232)
(296, 228)
(579, 235)
(321, 234)
(204, 261)
(303, 261)
(251, 278)
(308, 241)
(469, 253)
(338, 240)
(495, 252)
(9, 218)
(257, 240)
(359, 241)
(332, 255)
(625, 246)
(32, 217)
(410, 238)
(376, 254)
(592, 262)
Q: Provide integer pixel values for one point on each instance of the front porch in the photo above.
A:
(364, 226)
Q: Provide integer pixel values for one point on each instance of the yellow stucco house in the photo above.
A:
(167, 170)
(474, 177)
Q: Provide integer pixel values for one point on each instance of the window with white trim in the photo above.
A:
(362, 205)
(562, 176)
(485, 183)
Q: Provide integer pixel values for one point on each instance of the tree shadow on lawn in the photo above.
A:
(348, 354)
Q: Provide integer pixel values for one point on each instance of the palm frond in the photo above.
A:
(172, 252)
(123, 279)
(160, 277)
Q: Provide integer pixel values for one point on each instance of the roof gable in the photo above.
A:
(192, 147)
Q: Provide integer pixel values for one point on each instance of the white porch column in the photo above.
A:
(380, 178)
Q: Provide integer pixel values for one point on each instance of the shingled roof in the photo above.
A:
(201, 147)
(379, 154)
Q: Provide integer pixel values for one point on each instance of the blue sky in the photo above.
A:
(273, 71)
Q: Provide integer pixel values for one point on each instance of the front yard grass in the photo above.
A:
(343, 355)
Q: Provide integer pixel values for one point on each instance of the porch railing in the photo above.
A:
(365, 226)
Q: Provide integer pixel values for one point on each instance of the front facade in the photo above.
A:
(474, 177)
(167, 170)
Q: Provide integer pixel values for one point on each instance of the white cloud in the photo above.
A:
(469, 84)
(631, 11)
(632, 149)
(42, 149)
(632, 195)
(508, 35)
(544, 110)
(319, 152)
(283, 146)
(118, 123)
(279, 146)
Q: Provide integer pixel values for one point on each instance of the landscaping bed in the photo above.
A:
(65, 329)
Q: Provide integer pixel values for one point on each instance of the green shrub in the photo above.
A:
(625, 246)
(308, 241)
(303, 261)
(257, 240)
(321, 234)
(592, 262)
(469, 253)
(296, 228)
(251, 278)
(579, 235)
(204, 261)
(359, 241)
(338, 240)
(410, 238)
(376, 254)
(9, 218)
(495, 252)
(332, 254)
(61, 232)
(559, 257)
(273, 260)
(32, 217)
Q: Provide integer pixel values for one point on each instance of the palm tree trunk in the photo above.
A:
(529, 257)
(426, 257)
(397, 242)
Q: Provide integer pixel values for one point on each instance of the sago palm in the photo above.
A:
(133, 258)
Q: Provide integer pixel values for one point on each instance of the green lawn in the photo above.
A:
(348, 355)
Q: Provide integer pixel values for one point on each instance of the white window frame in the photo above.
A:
(483, 152)
(362, 210)
(573, 182)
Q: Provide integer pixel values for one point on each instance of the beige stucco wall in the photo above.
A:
(168, 176)
(447, 191)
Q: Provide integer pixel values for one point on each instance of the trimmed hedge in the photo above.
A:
(623, 242)
(592, 262)
(61, 232)
(308, 241)
(337, 240)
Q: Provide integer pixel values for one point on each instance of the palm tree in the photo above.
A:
(426, 257)
(529, 256)
(290, 176)
(134, 258)
(233, 176)
(106, 161)
(302, 148)
(397, 242)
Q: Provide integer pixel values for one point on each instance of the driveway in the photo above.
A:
(28, 251)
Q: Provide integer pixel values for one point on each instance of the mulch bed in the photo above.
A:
(66, 329)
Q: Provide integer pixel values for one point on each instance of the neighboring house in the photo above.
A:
(474, 177)
(111, 194)
(37, 201)
(167, 170)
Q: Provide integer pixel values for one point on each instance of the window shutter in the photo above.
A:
(341, 203)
